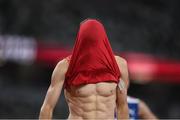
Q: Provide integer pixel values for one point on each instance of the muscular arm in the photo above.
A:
(145, 112)
(54, 91)
(122, 106)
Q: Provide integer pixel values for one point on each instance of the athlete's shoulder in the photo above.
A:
(120, 60)
(142, 104)
(145, 112)
(62, 65)
(59, 72)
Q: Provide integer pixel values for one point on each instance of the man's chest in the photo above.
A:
(102, 89)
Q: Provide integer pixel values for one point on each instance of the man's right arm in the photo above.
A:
(54, 90)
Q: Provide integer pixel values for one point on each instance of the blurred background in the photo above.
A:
(36, 34)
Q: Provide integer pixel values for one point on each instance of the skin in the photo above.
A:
(121, 101)
(90, 101)
(145, 112)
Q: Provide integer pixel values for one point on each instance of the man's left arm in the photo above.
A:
(122, 106)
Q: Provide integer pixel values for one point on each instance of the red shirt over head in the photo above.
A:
(92, 60)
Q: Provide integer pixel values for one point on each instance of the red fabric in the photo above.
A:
(92, 60)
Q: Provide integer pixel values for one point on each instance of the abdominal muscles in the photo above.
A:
(92, 101)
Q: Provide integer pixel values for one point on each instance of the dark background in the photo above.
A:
(151, 27)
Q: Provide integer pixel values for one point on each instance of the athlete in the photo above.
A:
(95, 80)
(138, 109)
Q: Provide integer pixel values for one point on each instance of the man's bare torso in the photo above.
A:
(92, 101)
